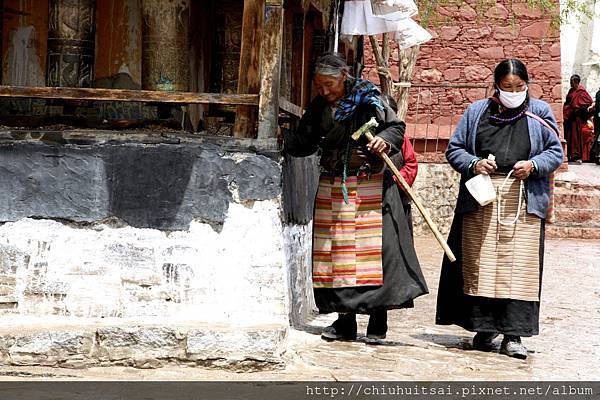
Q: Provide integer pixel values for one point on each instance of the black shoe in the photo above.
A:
(512, 347)
(484, 341)
(344, 328)
(377, 327)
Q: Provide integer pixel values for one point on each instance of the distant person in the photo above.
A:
(575, 113)
(494, 286)
(595, 109)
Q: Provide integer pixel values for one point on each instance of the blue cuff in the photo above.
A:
(535, 167)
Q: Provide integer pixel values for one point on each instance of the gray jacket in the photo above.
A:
(546, 151)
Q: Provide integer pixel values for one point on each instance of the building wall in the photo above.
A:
(467, 45)
(145, 240)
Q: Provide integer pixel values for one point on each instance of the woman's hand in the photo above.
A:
(522, 170)
(378, 145)
(484, 167)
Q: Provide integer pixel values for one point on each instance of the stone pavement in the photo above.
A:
(416, 349)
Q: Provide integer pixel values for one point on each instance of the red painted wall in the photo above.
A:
(465, 50)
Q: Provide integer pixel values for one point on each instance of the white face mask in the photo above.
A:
(512, 99)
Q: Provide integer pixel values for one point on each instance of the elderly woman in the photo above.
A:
(494, 286)
(363, 255)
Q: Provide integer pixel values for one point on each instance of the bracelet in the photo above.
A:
(473, 163)
(534, 167)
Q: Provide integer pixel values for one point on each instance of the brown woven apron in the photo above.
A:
(501, 261)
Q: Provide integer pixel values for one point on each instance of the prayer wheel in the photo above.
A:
(165, 44)
(71, 43)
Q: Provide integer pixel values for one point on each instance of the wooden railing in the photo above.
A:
(128, 95)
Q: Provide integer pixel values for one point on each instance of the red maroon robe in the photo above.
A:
(576, 115)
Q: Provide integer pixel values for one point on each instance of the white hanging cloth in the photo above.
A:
(411, 34)
(358, 19)
(394, 9)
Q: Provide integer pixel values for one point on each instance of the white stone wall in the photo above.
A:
(235, 276)
(580, 50)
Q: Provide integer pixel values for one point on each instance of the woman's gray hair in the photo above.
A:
(331, 65)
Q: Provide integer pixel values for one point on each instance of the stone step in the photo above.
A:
(574, 231)
(577, 200)
(237, 348)
(585, 216)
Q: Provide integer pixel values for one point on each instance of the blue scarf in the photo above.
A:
(361, 93)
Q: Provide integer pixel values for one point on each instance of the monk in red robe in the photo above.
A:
(576, 115)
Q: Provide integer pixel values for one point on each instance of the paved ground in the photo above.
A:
(416, 349)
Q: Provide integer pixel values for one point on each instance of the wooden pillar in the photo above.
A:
(297, 58)
(249, 70)
(71, 43)
(165, 45)
(270, 68)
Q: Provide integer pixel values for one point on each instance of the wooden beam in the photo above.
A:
(147, 96)
(290, 107)
(249, 69)
(268, 108)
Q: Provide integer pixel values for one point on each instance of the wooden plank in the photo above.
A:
(249, 69)
(148, 96)
(290, 107)
(307, 45)
(268, 108)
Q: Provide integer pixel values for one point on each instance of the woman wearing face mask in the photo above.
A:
(494, 286)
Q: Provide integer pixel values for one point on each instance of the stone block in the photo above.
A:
(260, 343)
(590, 233)
(452, 74)
(537, 30)
(525, 10)
(554, 49)
(536, 90)
(6, 290)
(476, 33)
(11, 259)
(50, 348)
(448, 33)
(466, 12)
(548, 69)
(258, 178)
(494, 53)
(498, 11)
(133, 343)
(576, 201)
(431, 76)
(477, 73)
(529, 51)
(506, 32)
(475, 94)
(557, 109)
(557, 92)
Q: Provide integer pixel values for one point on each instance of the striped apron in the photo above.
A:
(501, 259)
(347, 239)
